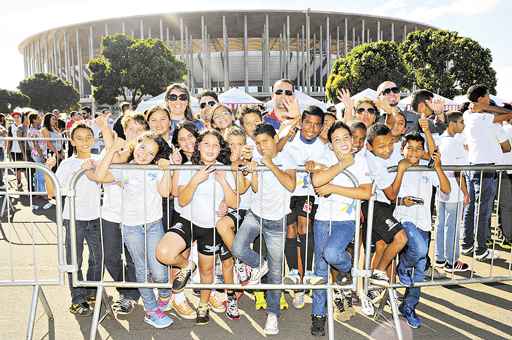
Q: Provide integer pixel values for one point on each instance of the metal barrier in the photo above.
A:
(489, 277)
(36, 280)
(101, 285)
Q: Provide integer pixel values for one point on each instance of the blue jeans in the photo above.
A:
(273, 234)
(483, 192)
(413, 259)
(447, 233)
(331, 241)
(141, 241)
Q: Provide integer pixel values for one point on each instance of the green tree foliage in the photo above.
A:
(47, 92)
(12, 99)
(140, 66)
(366, 66)
(446, 63)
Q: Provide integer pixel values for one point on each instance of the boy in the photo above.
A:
(270, 205)
(413, 211)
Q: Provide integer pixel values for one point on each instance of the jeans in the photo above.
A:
(85, 231)
(447, 233)
(111, 233)
(506, 205)
(483, 192)
(331, 241)
(411, 267)
(273, 235)
(141, 241)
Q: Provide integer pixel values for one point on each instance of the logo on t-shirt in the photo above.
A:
(391, 224)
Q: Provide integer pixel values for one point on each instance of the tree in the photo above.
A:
(366, 66)
(47, 92)
(12, 99)
(137, 66)
(446, 63)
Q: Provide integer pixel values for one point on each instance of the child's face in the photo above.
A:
(209, 149)
(459, 125)
(82, 140)
(145, 151)
(311, 127)
(133, 130)
(186, 141)
(250, 121)
(413, 151)
(266, 145)
(341, 141)
(399, 126)
(235, 145)
(222, 119)
(159, 123)
(358, 138)
(382, 146)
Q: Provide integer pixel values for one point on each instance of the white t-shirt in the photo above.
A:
(87, 200)
(256, 156)
(272, 201)
(141, 201)
(481, 138)
(417, 184)
(202, 209)
(452, 153)
(15, 146)
(379, 173)
(302, 152)
(337, 207)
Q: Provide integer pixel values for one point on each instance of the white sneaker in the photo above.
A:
(312, 279)
(292, 278)
(258, 273)
(488, 254)
(298, 300)
(272, 324)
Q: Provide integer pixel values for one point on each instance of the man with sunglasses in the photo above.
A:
(389, 92)
(282, 99)
(207, 100)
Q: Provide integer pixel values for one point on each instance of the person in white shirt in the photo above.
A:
(267, 215)
(450, 206)
(334, 226)
(87, 213)
(483, 149)
(413, 212)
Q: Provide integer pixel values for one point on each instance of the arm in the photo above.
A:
(164, 185)
(322, 177)
(444, 183)
(392, 191)
(102, 173)
(431, 145)
(362, 192)
(230, 197)
(108, 138)
(50, 189)
(46, 134)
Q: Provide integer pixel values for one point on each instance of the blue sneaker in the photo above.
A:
(409, 314)
(158, 319)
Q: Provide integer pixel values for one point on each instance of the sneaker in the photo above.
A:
(164, 304)
(80, 309)
(459, 266)
(467, 250)
(432, 273)
(184, 310)
(183, 276)
(158, 319)
(379, 277)
(340, 314)
(124, 306)
(91, 300)
(216, 302)
(348, 302)
(231, 304)
(506, 245)
(196, 292)
(343, 279)
(272, 324)
(258, 273)
(298, 300)
(487, 254)
(367, 307)
(259, 298)
(410, 315)
(440, 264)
(375, 294)
(313, 280)
(292, 278)
(283, 304)
(243, 271)
(318, 325)
(203, 314)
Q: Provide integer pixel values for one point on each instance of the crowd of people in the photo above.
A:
(292, 222)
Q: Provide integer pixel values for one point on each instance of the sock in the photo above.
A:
(290, 252)
(310, 249)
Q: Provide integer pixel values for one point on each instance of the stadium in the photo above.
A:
(222, 49)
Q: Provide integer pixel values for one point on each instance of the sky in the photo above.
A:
(486, 21)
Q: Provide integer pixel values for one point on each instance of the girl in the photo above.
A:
(50, 130)
(177, 99)
(142, 217)
(334, 225)
(222, 118)
(198, 218)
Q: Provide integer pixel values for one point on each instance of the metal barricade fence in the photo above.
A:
(15, 271)
(101, 284)
(471, 173)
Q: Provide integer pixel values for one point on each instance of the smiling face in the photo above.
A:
(222, 119)
(159, 123)
(82, 139)
(358, 138)
(209, 149)
(281, 89)
(186, 141)
(145, 151)
(249, 121)
(389, 92)
(398, 128)
(311, 127)
(177, 102)
(341, 141)
(413, 150)
(365, 112)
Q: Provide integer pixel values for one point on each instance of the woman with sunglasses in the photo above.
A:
(177, 99)
(363, 110)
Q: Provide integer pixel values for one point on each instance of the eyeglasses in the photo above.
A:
(286, 92)
(371, 110)
(173, 97)
(210, 103)
(395, 90)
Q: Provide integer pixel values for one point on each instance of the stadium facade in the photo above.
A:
(222, 49)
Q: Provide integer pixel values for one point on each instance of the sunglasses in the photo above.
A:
(286, 92)
(173, 97)
(395, 90)
(371, 110)
(210, 103)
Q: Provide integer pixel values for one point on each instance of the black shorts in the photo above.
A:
(301, 206)
(384, 226)
(205, 238)
(237, 216)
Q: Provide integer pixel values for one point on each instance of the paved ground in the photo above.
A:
(474, 311)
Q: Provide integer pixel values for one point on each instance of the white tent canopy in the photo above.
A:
(462, 99)
(237, 96)
(160, 100)
(303, 99)
(368, 93)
